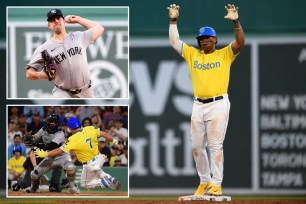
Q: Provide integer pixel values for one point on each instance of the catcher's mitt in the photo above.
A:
(28, 139)
(49, 66)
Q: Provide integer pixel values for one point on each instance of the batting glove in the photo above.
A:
(41, 153)
(232, 12)
(173, 11)
(115, 142)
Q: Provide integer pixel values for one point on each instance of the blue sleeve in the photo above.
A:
(24, 150)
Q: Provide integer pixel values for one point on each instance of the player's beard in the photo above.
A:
(57, 29)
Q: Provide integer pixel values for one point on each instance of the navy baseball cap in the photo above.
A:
(54, 12)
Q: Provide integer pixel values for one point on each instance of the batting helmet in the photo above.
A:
(17, 148)
(73, 123)
(52, 124)
(206, 31)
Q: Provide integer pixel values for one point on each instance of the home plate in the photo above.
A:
(204, 197)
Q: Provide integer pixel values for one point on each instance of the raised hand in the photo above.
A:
(232, 12)
(173, 11)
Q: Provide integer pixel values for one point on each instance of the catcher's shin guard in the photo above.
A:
(35, 176)
(70, 173)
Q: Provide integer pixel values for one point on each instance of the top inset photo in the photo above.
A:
(67, 52)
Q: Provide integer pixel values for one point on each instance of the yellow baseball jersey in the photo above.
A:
(209, 73)
(84, 143)
(16, 165)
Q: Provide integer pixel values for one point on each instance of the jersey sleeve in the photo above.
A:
(59, 137)
(94, 133)
(86, 37)
(36, 60)
(70, 144)
(38, 135)
(188, 52)
(97, 130)
(229, 53)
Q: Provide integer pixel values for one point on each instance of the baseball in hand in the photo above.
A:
(68, 18)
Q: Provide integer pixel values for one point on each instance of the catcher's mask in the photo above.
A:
(73, 123)
(52, 124)
(206, 31)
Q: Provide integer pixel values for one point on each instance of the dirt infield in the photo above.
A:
(67, 194)
(110, 197)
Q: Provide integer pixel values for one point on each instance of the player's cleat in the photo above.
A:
(203, 187)
(74, 190)
(54, 188)
(65, 183)
(114, 183)
(16, 187)
(215, 191)
(32, 190)
(110, 182)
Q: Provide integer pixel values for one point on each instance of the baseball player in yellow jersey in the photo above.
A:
(84, 142)
(210, 71)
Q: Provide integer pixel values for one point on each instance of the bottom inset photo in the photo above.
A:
(67, 151)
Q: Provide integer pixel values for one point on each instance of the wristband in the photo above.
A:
(173, 19)
(236, 20)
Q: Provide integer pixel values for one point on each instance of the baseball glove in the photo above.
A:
(49, 65)
(28, 139)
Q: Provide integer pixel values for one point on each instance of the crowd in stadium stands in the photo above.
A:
(24, 119)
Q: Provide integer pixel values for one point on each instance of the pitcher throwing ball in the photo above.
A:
(210, 72)
(63, 59)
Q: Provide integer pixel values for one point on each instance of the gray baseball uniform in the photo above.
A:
(49, 162)
(72, 78)
(58, 137)
(63, 160)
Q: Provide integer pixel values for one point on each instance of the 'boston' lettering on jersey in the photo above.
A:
(72, 51)
(203, 66)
